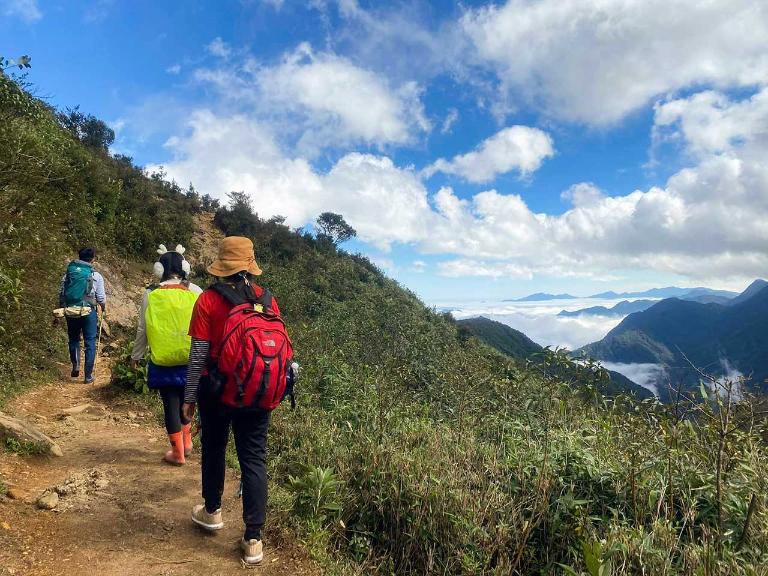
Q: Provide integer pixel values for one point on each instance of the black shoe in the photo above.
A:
(75, 373)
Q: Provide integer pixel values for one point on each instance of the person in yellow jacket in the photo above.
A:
(163, 327)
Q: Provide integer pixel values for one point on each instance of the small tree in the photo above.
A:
(334, 227)
(238, 219)
(91, 131)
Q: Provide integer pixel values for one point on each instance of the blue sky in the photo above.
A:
(481, 150)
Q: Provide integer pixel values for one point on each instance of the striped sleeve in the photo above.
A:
(198, 354)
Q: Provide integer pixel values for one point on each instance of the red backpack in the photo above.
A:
(255, 355)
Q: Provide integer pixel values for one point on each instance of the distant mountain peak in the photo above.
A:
(542, 296)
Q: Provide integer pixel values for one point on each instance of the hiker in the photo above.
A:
(82, 290)
(241, 348)
(163, 327)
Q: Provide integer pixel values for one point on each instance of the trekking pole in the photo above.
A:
(98, 340)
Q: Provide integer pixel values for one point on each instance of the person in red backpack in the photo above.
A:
(236, 374)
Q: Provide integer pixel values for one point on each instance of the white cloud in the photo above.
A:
(449, 120)
(596, 61)
(174, 70)
(225, 154)
(219, 48)
(583, 194)
(27, 10)
(341, 100)
(646, 375)
(709, 221)
(711, 123)
(464, 267)
(418, 266)
(514, 148)
(323, 99)
(384, 203)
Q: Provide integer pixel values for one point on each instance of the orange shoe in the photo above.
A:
(175, 455)
(186, 430)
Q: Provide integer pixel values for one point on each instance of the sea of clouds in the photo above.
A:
(540, 322)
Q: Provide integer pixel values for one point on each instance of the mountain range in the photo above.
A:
(716, 337)
(541, 297)
(621, 309)
(517, 345)
(702, 295)
(668, 292)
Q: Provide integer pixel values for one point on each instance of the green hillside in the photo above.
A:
(503, 338)
(414, 450)
(517, 345)
(676, 333)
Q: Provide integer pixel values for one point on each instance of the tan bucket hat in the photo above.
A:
(235, 255)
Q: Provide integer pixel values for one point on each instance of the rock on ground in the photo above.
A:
(26, 432)
(48, 500)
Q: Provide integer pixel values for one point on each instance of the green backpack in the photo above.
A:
(78, 284)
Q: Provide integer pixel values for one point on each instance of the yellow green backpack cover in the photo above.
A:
(169, 311)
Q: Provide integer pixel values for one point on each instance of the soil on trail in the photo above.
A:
(120, 510)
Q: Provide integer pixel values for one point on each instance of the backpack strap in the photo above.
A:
(234, 298)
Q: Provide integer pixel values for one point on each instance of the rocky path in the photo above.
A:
(120, 510)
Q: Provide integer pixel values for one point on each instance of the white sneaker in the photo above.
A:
(253, 552)
(202, 518)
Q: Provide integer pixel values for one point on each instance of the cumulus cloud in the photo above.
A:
(466, 267)
(596, 61)
(27, 10)
(711, 123)
(323, 99)
(518, 148)
(708, 221)
(583, 194)
(222, 154)
(384, 203)
(341, 99)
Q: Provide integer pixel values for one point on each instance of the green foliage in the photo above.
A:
(500, 336)
(23, 447)
(333, 227)
(316, 494)
(128, 378)
(88, 129)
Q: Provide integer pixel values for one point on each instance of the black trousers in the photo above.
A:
(173, 398)
(249, 428)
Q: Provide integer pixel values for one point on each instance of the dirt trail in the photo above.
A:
(123, 511)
